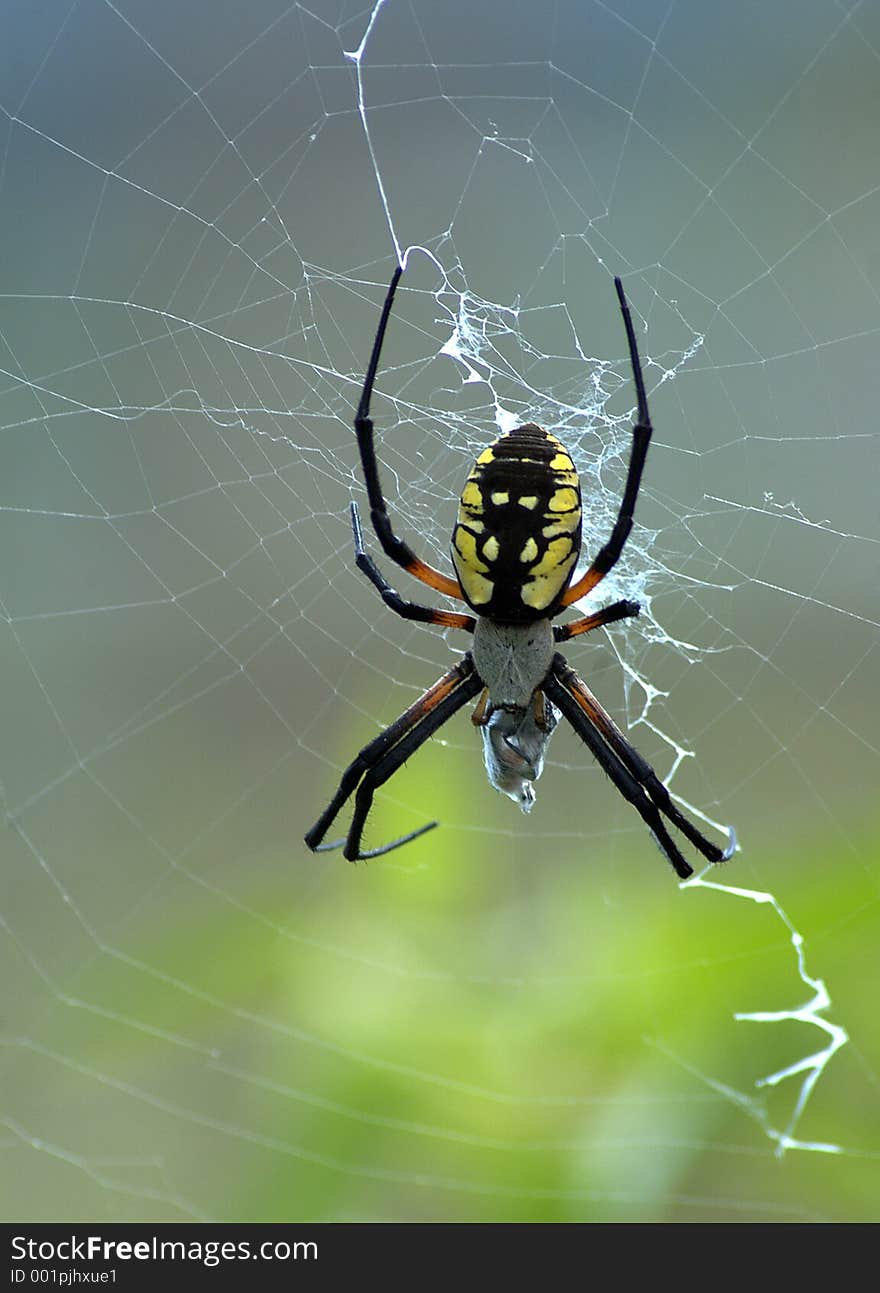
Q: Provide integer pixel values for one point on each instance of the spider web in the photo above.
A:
(510, 1019)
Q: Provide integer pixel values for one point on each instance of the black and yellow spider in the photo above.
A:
(514, 548)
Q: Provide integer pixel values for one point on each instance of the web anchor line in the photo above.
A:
(811, 1066)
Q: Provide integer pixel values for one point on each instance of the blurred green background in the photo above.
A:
(514, 1018)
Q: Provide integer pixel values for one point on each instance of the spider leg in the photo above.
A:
(406, 610)
(392, 546)
(608, 556)
(607, 615)
(378, 760)
(632, 775)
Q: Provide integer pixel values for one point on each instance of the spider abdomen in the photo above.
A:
(518, 533)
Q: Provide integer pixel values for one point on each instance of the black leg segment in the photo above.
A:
(392, 599)
(378, 760)
(393, 546)
(632, 775)
(608, 556)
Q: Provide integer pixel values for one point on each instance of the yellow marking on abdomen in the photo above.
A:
(549, 576)
(478, 588)
(556, 552)
(567, 525)
(472, 496)
(470, 569)
(565, 478)
(561, 462)
(466, 546)
(563, 500)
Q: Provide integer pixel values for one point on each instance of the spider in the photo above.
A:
(515, 546)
